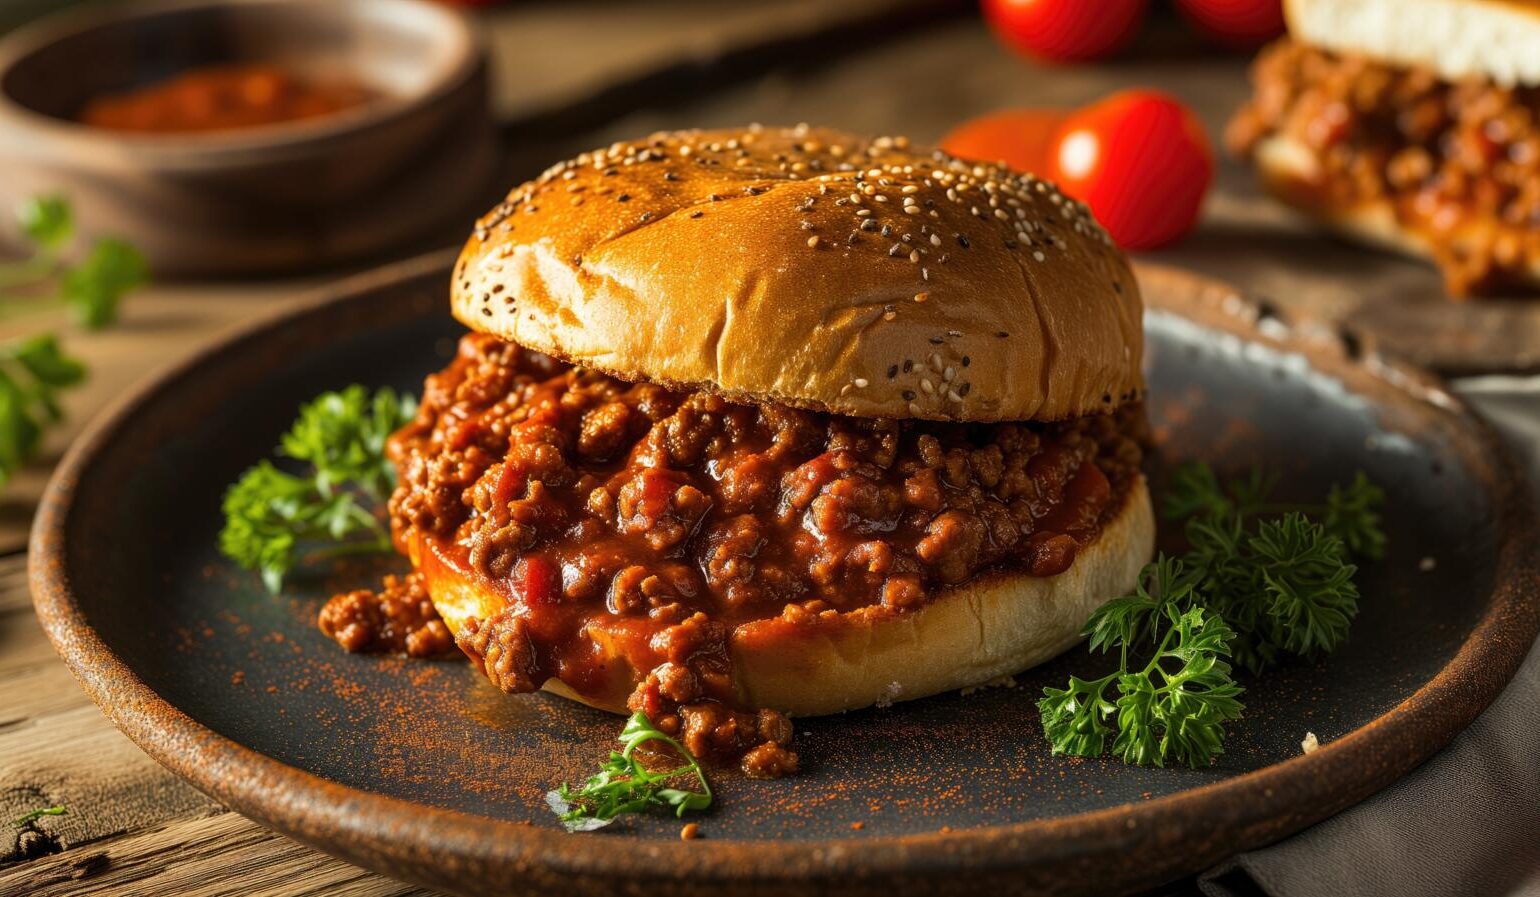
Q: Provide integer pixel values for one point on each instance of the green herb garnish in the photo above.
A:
(1173, 706)
(339, 438)
(35, 815)
(32, 371)
(624, 785)
(1259, 580)
(92, 288)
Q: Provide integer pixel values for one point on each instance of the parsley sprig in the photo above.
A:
(624, 785)
(1260, 580)
(35, 369)
(1281, 579)
(32, 372)
(91, 288)
(1175, 705)
(271, 515)
(28, 818)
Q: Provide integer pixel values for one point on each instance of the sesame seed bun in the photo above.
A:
(813, 268)
(968, 635)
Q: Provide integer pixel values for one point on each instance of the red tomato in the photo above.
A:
(1065, 30)
(537, 580)
(1141, 161)
(1018, 137)
(1242, 24)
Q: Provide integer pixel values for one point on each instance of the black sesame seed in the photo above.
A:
(887, 230)
(713, 197)
(892, 372)
(896, 250)
(962, 241)
(965, 389)
(624, 197)
(908, 365)
(646, 216)
(966, 361)
(1001, 334)
(670, 176)
(868, 224)
(936, 341)
(697, 213)
(908, 395)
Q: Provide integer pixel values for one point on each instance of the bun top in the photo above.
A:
(1495, 39)
(813, 268)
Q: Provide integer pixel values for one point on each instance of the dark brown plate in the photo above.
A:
(423, 771)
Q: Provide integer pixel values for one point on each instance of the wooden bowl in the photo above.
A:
(411, 163)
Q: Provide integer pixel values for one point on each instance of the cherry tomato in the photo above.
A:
(1018, 137)
(1065, 30)
(1242, 24)
(1140, 160)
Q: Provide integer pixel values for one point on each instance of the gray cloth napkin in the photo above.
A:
(1467, 822)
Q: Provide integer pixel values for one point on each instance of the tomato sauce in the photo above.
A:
(223, 98)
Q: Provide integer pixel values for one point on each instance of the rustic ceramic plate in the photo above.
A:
(425, 772)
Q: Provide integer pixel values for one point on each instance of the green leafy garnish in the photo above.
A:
(1259, 580)
(1172, 707)
(92, 289)
(339, 437)
(35, 815)
(32, 371)
(46, 220)
(624, 785)
(1351, 516)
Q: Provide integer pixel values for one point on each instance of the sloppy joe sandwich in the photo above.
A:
(1412, 124)
(760, 423)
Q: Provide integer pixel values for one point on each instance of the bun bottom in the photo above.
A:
(970, 635)
(1290, 171)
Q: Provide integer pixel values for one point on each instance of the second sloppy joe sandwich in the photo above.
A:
(1408, 124)
(762, 423)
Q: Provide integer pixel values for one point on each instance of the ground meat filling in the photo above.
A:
(1459, 161)
(398, 619)
(669, 518)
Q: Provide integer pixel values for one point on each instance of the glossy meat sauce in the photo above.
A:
(630, 529)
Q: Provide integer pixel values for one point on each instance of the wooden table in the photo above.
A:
(870, 65)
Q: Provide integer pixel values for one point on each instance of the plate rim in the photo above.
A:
(448, 848)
